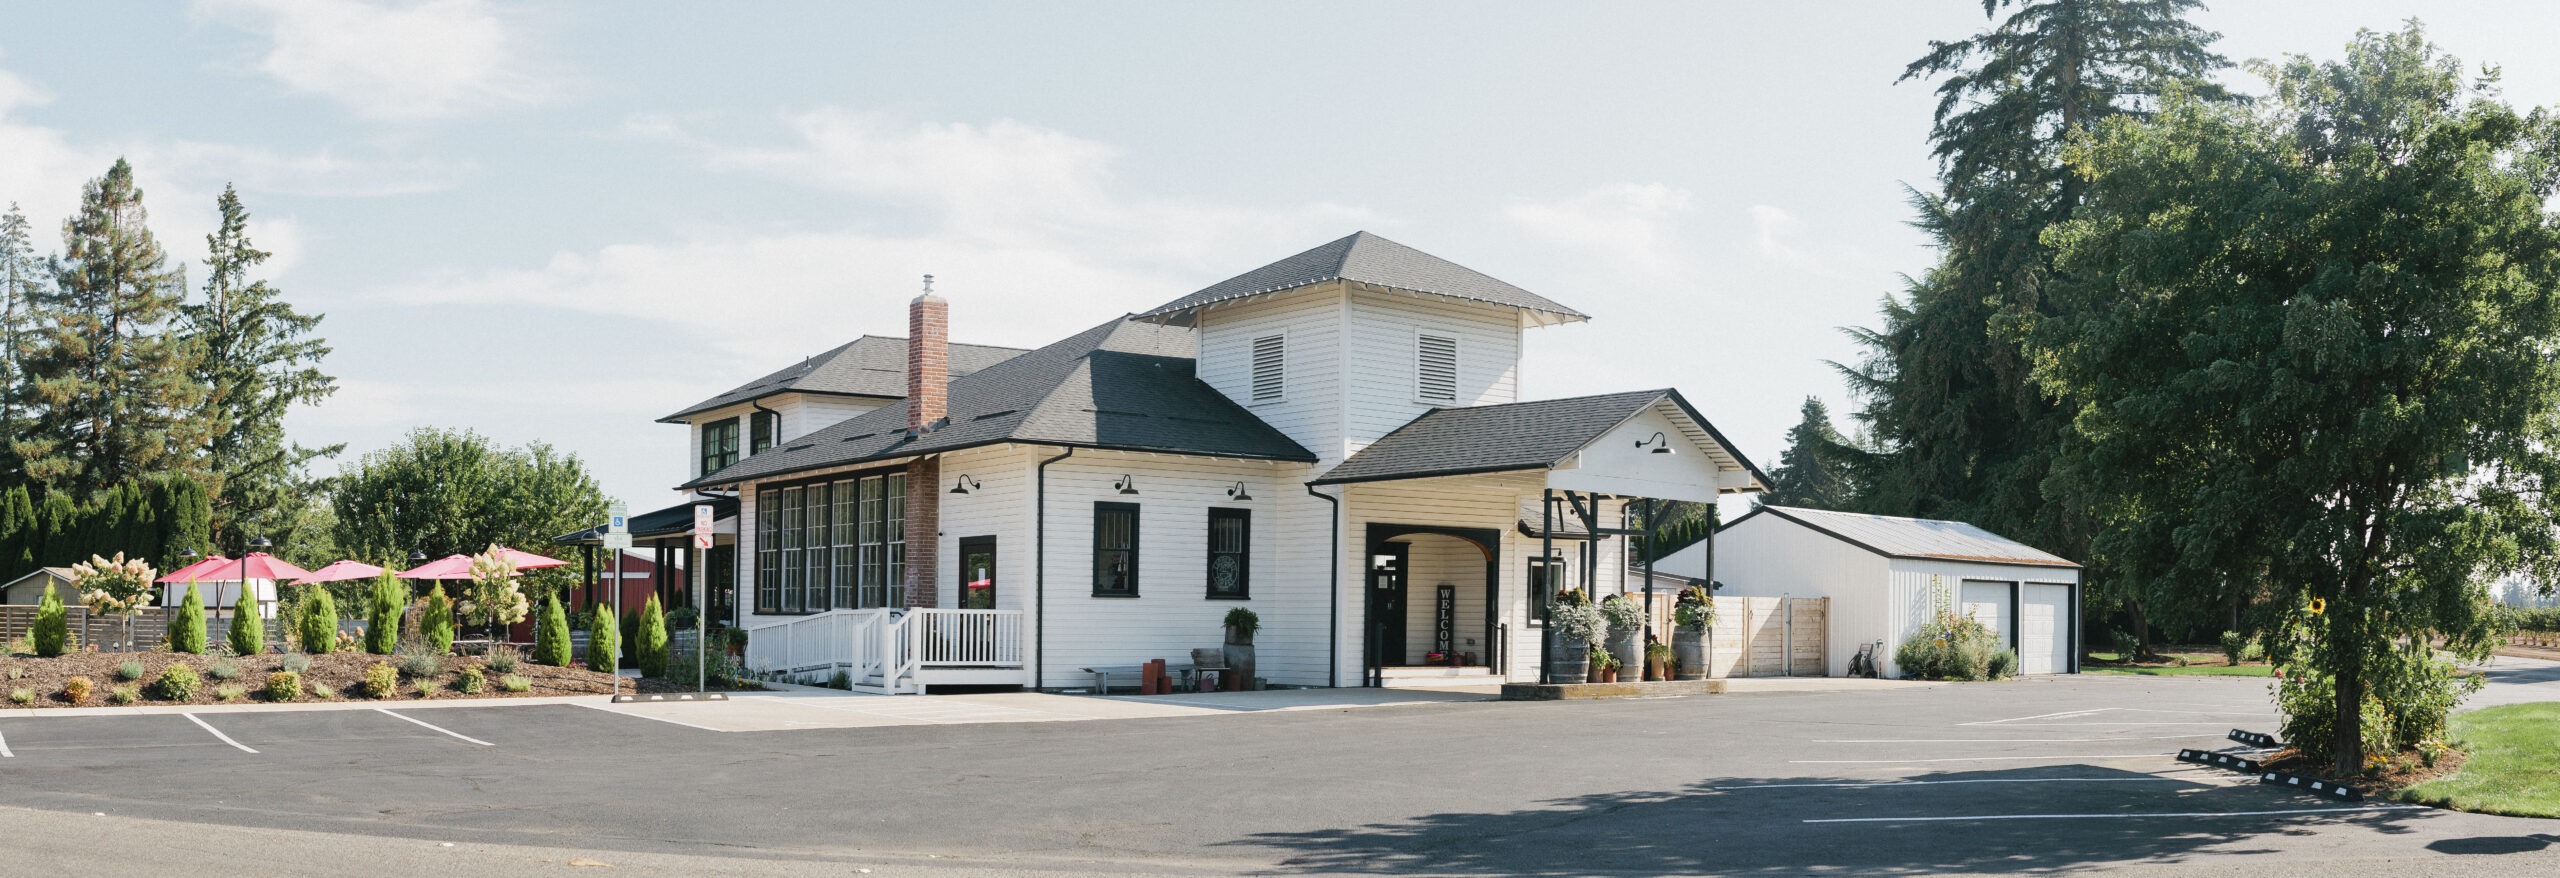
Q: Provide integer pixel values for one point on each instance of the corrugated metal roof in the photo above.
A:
(1915, 537)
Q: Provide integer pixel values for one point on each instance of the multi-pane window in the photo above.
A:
(1230, 552)
(761, 434)
(1435, 376)
(1115, 550)
(1270, 354)
(719, 445)
(1546, 575)
(837, 544)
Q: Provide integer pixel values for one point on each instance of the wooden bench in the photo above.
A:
(1102, 676)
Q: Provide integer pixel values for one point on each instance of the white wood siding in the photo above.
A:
(1000, 507)
(1172, 613)
(1486, 502)
(795, 415)
(1380, 362)
(1310, 408)
(1436, 560)
(1768, 556)
(1921, 586)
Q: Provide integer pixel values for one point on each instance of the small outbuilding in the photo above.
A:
(1887, 576)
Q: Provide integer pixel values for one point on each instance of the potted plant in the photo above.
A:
(1690, 618)
(1626, 630)
(1657, 660)
(1575, 624)
(1604, 666)
(1241, 623)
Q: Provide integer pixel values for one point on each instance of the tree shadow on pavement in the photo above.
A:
(1759, 825)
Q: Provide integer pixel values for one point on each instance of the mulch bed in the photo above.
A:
(2403, 772)
(342, 672)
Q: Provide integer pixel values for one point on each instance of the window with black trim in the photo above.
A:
(1230, 553)
(761, 430)
(1115, 550)
(1545, 576)
(831, 544)
(719, 445)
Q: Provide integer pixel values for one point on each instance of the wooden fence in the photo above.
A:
(107, 633)
(1768, 637)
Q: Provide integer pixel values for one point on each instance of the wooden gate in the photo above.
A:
(1768, 637)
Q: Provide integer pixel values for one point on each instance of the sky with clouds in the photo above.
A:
(558, 222)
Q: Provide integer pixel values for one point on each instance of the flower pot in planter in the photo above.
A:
(1606, 675)
(1689, 653)
(1239, 654)
(1656, 669)
(1569, 661)
(1628, 648)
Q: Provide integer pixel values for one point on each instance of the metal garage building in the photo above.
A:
(1887, 576)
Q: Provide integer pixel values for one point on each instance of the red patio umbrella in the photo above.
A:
(200, 570)
(339, 571)
(459, 566)
(260, 565)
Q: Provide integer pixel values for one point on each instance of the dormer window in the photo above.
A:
(1435, 374)
(1270, 365)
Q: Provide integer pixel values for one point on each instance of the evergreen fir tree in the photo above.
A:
(186, 629)
(59, 541)
(20, 532)
(604, 640)
(21, 275)
(113, 383)
(650, 649)
(1806, 474)
(248, 631)
(551, 644)
(436, 624)
(1961, 429)
(382, 615)
(259, 359)
(318, 626)
(52, 632)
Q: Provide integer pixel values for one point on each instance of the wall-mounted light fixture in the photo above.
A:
(1659, 443)
(1126, 484)
(964, 484)
(1236, 492)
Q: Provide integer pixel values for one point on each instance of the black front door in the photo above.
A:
(977, 573)
(1388, 593)
(720, 566)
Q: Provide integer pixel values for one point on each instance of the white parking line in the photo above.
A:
(1970, 759)
(1943, 819)
(436, 728)
(4, 748)
(1914, 783)
(244, 748)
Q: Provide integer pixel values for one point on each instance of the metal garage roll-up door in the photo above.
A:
(2044, 629)
(1988, 603)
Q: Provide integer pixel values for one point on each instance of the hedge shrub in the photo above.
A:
(437, 626)
(177, 683)
(381, 680)
(1955, 647)
(382, 615)
(319, 623)
(76, 689)
(651, 649)
(551, 639)
(470, 681)
(248, 634)
(186, 629)
(53, 626)
(283, 686)
(604, 641)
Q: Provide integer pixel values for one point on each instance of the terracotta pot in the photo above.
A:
(1657, 669)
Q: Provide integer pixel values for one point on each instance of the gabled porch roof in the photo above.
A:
(1565, 438)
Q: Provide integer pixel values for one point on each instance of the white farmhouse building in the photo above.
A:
(1887, 576)
(1334, 440)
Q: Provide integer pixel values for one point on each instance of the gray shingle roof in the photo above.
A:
(1122, 385)
(1514, 436)
(872, 365)
(1914, 537)
(1368, 259)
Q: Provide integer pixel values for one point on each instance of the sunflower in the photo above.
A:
(2318, 606)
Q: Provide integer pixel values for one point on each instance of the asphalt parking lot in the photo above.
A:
(2055, 774)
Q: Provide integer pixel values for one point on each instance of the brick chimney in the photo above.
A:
(928, 402)
(928, 360)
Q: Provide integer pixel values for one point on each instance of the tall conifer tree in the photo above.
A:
(21, 274)
(114, 383)
(259, 360)
(1808, 473)
(1962, 431)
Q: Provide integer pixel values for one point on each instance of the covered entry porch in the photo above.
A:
(1499, 507)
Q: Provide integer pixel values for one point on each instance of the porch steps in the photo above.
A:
(1437, 675)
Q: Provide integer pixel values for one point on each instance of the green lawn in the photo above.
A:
(2514, 767)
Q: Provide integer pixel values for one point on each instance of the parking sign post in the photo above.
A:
(701, 602)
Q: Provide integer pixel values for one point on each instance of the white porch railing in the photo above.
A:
(885, 650)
